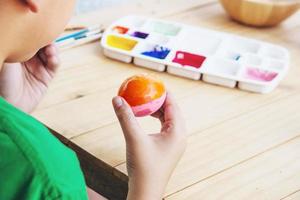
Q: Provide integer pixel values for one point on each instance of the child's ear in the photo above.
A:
(33, 5)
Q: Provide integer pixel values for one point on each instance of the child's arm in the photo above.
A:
(151, 159)
(24, 84)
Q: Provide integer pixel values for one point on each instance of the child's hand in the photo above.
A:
(24, 84)
(151, 159)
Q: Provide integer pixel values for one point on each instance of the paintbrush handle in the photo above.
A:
(75, 28)
(80, 42)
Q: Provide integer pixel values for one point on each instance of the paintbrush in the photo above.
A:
(81, 42)
(75, 28)
(79, 33)
(81, 37)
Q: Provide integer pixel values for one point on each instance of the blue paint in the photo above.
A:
(238, 57)
(73, 35)
(157, 52)
(139, 34)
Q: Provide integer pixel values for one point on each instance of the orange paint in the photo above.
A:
(120, 29)
(141, 89)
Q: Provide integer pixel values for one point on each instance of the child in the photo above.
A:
(34, 164)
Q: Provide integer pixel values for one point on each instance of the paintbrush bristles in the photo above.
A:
(260, 13)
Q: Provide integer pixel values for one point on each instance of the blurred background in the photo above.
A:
(84, 6)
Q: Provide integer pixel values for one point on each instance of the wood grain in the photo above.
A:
(240, 144)
(293, 196)
(270, 175)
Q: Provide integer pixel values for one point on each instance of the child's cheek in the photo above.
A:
(58, 17)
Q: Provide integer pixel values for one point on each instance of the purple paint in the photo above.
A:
(139, 34)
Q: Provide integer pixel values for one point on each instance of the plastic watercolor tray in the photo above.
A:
(197, 53)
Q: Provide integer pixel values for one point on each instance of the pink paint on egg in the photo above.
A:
(150, 107)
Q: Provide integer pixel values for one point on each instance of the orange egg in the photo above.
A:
(144, 93)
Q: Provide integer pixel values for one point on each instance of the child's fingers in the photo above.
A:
(53, 63)
(171, 108)
(51, 50)
(50, 58)
(129, 124)
(174, 123)
(160, 114)
(169, 115)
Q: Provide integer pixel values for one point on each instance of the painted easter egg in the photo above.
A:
(144, 93)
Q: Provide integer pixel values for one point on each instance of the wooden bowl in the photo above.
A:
(261, 13)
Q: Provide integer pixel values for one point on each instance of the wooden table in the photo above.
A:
(241, 145)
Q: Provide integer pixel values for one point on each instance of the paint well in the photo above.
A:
(252, 60)
(198, 42)
(275, 64)
(259, 74)
(233, 55)
(121, 43)
(158, 39)
(273, 52)
(120, 29)
(157, 51)
(163, 28)
(189, 59)
(139, 34)
(242, 45)
(221, 67)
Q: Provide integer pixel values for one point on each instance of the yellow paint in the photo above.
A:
(120, 42)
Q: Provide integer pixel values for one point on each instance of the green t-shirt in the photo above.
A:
(34, 165)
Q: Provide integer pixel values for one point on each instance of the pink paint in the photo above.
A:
(149, 108)
(260, 75)
(189, 59)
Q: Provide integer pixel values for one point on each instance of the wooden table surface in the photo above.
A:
(241, 145)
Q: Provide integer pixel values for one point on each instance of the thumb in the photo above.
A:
(128, 122)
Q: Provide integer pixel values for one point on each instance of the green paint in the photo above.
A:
(165, 28)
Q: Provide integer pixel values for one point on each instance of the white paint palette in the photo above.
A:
(197, 53)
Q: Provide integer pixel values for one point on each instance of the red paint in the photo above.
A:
(120, 29)
(189, 59)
